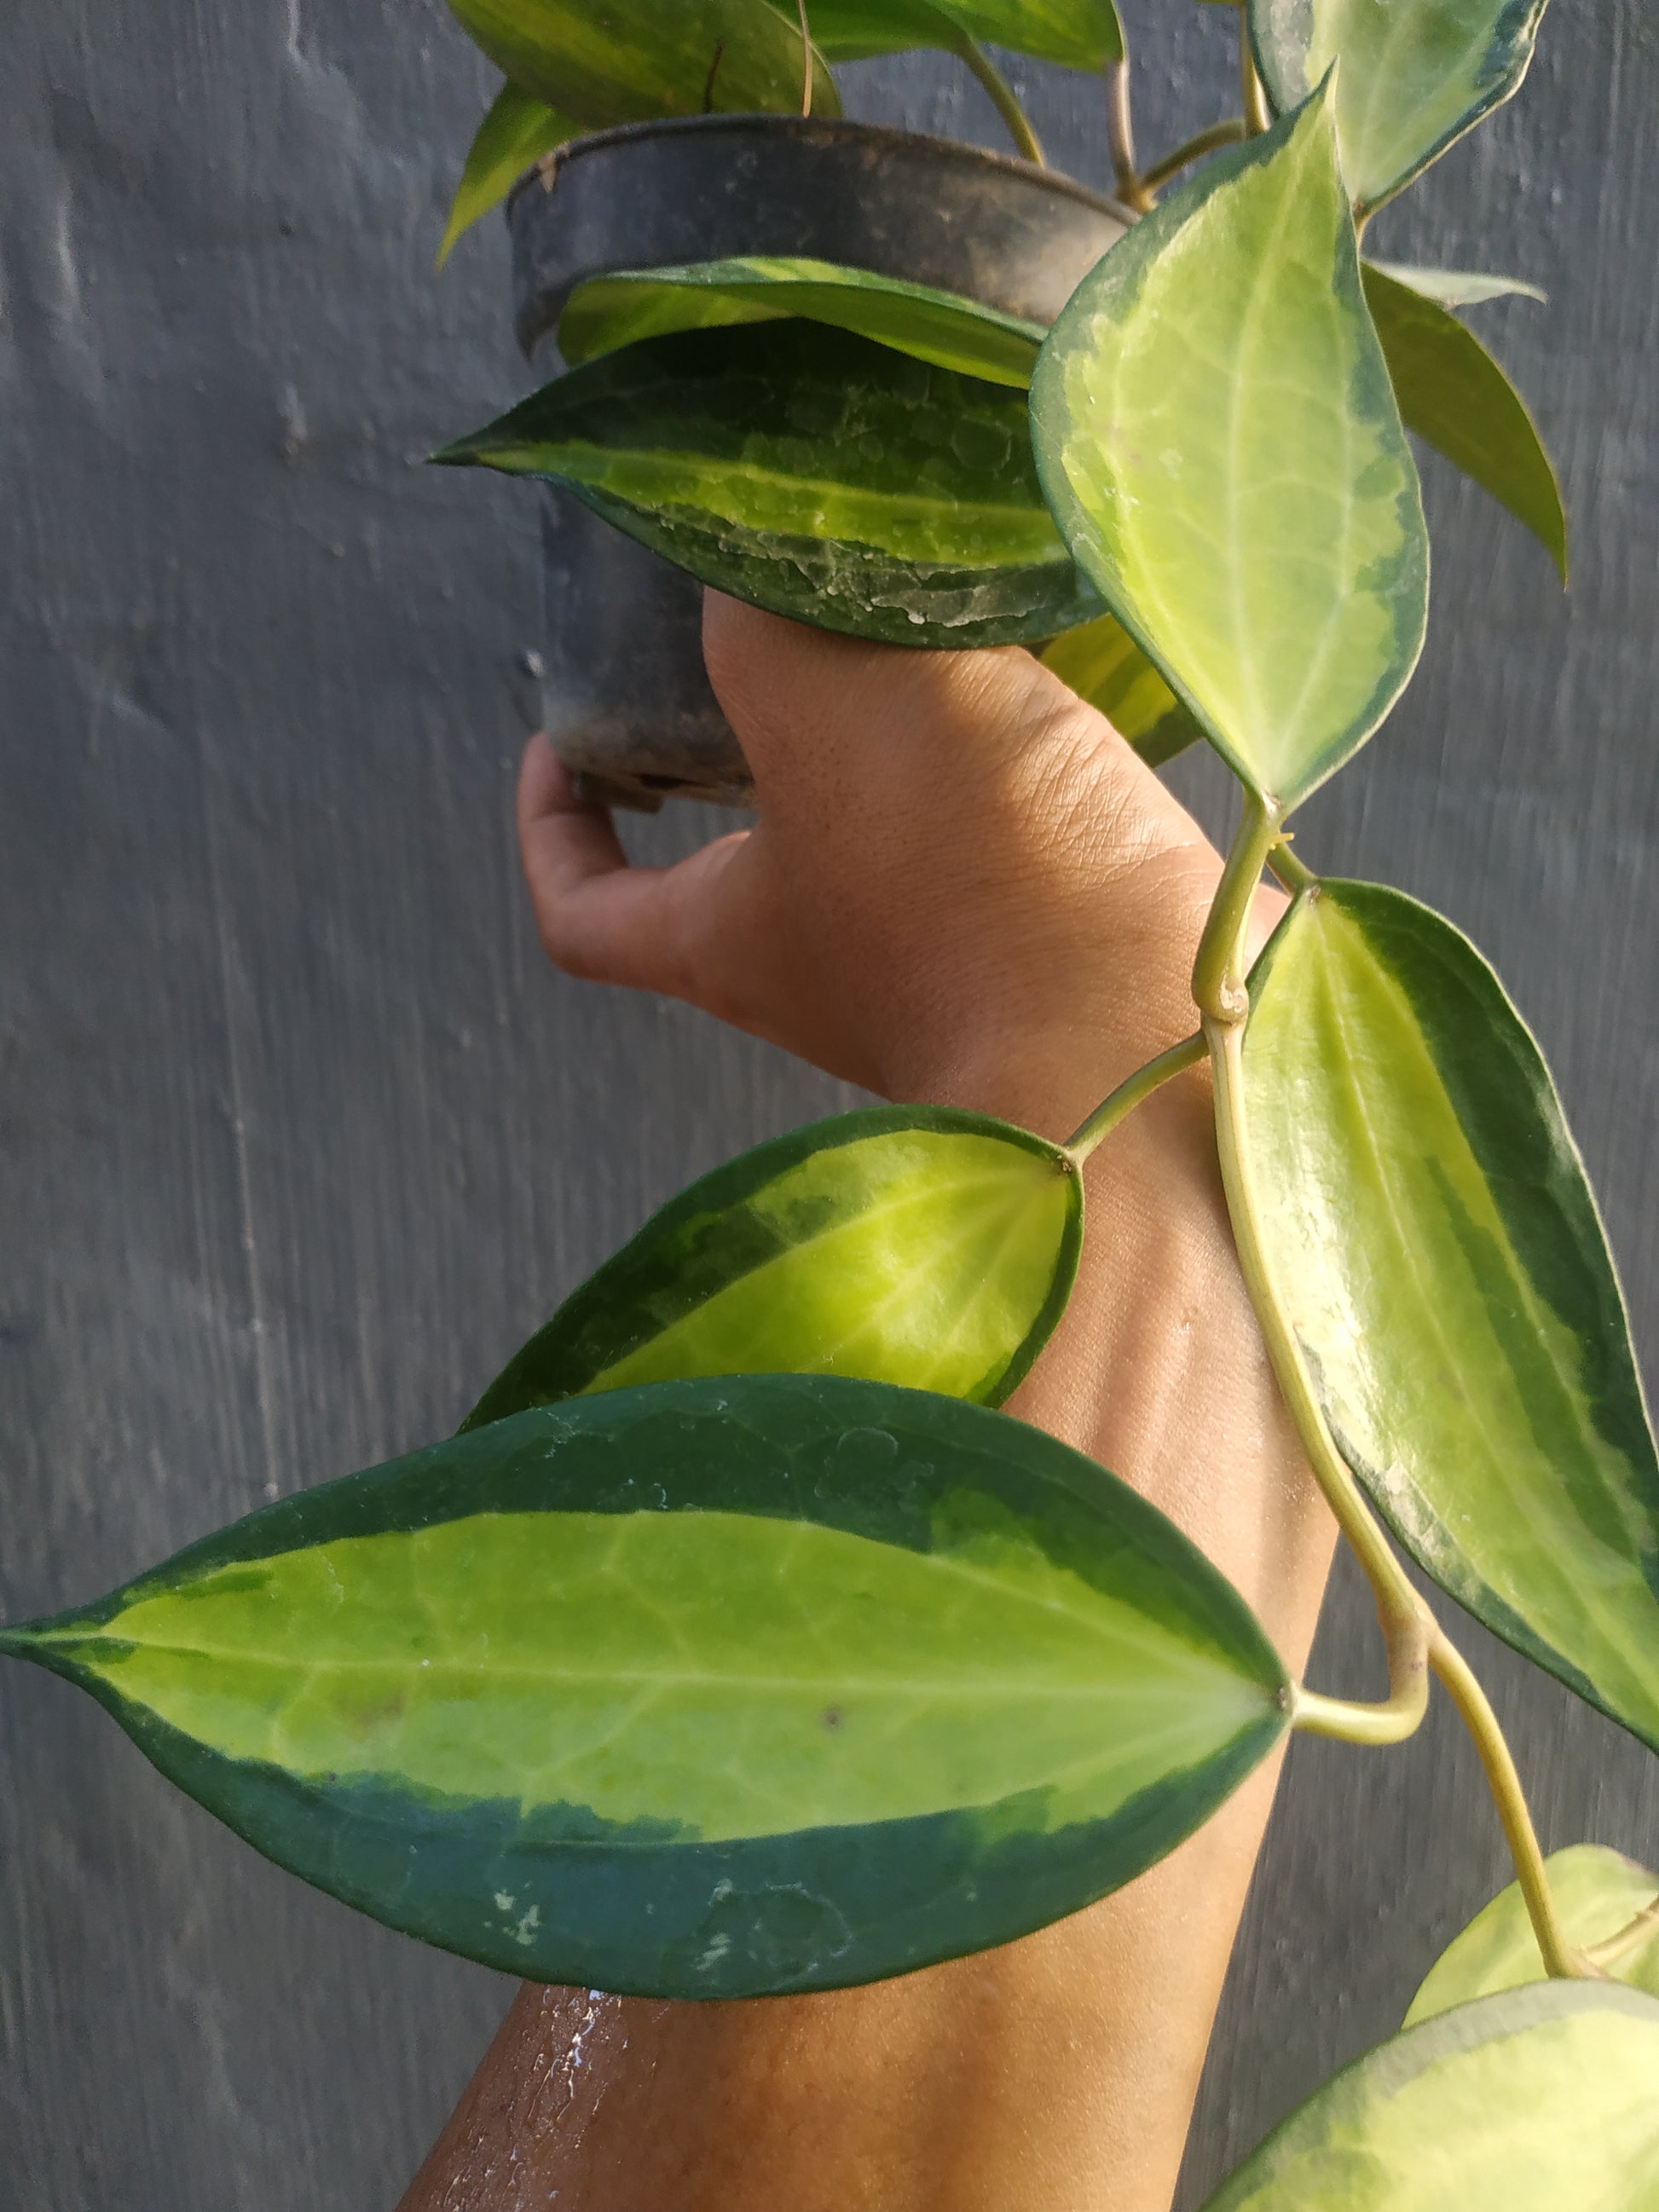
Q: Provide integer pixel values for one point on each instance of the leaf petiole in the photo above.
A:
(1228, 133)
(1002, 98)
(1122, 1102)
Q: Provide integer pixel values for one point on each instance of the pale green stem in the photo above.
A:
(1192, 149)
(1218, 989)
(1470, 1699)
(1129, 1093)
(805, 63)
(1294, 874)
(1120, 139)
(1415, 1640)
(1020, 124)
(1614, 1950)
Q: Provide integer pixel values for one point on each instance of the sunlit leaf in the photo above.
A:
(1082, 34)
(626, 61)
(516, 131)
(1597, 1892)
(1103, 665)
(706, 1688)
(611, 311)
(1539, 2101)
(814, 473)
(1452, 393)
(1458, 288)
(1217, 435)
(1413, 75)
(1434, 1240)
(909, 1244)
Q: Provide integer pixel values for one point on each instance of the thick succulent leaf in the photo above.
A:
(1414, 75)
(907, 1245)
(1534, 2101)
(1083, 34)
(612, 310)
(627, 61)
(1219, 442)
(1597, 1892)
(710, 1689)
(1432, 1233)
(1103, 665)
(1452, 393)
(813, 472)
(1458, 288)
(517, 132)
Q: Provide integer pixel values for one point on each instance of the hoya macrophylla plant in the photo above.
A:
(738, 1643)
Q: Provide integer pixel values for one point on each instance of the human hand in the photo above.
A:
(962, 885)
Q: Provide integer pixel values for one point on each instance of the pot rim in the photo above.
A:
(762, 126)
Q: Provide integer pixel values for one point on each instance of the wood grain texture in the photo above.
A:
(297, 1137)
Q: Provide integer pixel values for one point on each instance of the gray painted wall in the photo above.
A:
(297, 1135)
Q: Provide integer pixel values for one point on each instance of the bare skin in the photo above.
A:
(964, 888)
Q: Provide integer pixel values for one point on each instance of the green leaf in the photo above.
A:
(626, 61)
(1216, 432)
(1414, 75)
(908, 1245)
(1432, 1236)
(517, 132)
(1452, 393)
(1082, 35)
(709, 1689)
(1539, 2101)
(1597, 1892)
(611, 311)
(1457, 287)
(1103, 665)
(814, 473)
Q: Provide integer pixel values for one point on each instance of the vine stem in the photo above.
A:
(1458, 1680)
(1416, 1642)
(1614, 1950)
(1120, 139)
(1226, 133)
(1122, 1102)
(1002, 96)
(805, 63)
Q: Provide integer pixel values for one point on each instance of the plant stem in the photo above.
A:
(1120, 139)
(1470, 1699)
(1227, 133)
(1129, 1093)
(1399, 1716)
(1218, 989)
(1256, 116)
(805, 63)
(1020, 124)
(1614, 1950)
(1294, 874)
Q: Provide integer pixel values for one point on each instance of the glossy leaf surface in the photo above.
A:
(1103, 665)
(626, 61)
(906, 1244)
(1413, 75)
(1218, 437)
(814, 473)
(516, 131)
(612, 310)
(1434, 1240)
(705, 1688)
(1080, 33)
(1598, 1892)
(1458, 288)
(1452, 393)
(1538, 2100)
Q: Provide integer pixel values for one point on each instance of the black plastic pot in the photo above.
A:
(627, 700)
